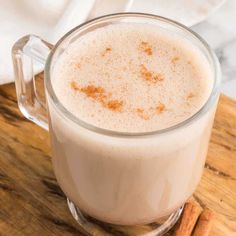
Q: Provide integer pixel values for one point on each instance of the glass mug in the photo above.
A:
(124, 180)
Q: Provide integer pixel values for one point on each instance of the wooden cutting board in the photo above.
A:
(31, 202)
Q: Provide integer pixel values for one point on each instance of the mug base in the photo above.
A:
(95, 227)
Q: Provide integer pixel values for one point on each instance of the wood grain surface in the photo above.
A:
(31, 202)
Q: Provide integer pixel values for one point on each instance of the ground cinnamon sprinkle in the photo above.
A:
(152, 111)
(149, 75)
(141, 114)
(74, 86)
(93, 91)
(90, 90)
(190, 95)
(145, 73)
(174, 59)
(160, 108)
(115, 105)
(145, 46)
(99, 94)
(158, 77)
(107, 50)
(78, 65)
(140, 110)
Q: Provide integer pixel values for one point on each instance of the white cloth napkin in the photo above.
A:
(187, 12)
(39, 17)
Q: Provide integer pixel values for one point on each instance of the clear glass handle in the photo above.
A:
(29, 55)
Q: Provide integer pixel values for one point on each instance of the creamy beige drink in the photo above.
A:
(130, 78)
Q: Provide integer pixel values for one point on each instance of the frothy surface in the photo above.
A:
(132, 78)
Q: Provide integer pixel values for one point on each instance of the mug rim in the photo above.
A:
(207, 105)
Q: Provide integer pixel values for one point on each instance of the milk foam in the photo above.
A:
(132, 78)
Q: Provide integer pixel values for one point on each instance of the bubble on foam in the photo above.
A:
(111, 58)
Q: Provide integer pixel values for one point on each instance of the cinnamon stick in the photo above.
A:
(204, 223)
(189, 218)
